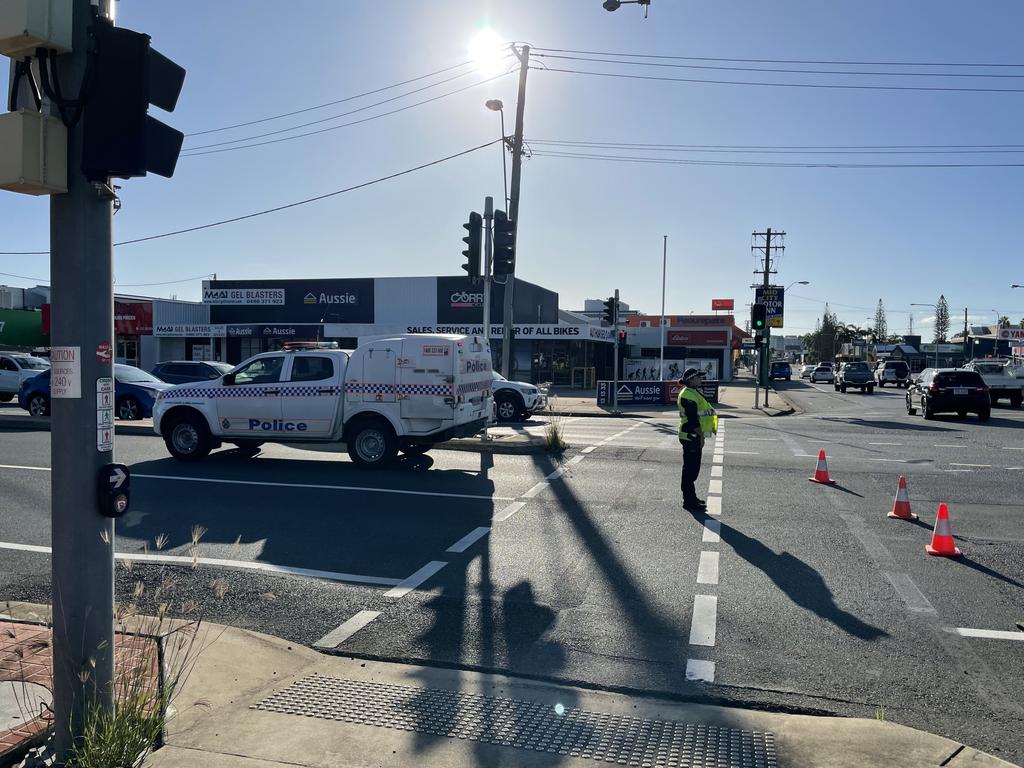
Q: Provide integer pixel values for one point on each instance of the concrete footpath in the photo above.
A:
(255, 701)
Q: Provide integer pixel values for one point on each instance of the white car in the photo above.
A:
(516, 400)
(16, 367)
(823, 373)
(805, 371)
(403, 393)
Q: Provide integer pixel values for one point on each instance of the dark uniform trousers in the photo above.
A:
(692, 452)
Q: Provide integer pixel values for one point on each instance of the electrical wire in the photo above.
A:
(831, 62)
(284, 207)
(834, 86)
(23, 277)
(776, 70)
(338, 127)
(330, 103)
(769, 147)
(165, 282)
(773, 150)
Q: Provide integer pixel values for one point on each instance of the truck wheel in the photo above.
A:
(6, 397)
(39, 405)
(188, 439)
(371, 443)
(509, 407)
(248, 448)
(1016, 399)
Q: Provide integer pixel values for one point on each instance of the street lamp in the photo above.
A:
(1017, 286)
(614, 5)
(496, 105)
(798, 282)
(933, 306)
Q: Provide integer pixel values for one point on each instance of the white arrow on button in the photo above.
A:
(118, 477)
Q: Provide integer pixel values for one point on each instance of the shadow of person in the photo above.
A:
(801, 583)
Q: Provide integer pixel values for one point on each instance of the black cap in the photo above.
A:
(689, 373)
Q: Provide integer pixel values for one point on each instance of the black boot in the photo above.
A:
(694, 505)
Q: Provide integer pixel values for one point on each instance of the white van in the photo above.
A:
(403, 393)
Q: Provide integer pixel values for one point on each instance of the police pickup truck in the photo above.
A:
(404, 393)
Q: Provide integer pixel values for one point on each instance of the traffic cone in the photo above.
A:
(901, 507)
(821, 471)
(942, 537)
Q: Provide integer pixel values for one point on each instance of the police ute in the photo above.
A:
(403, 393)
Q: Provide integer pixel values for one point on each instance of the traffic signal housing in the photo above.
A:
(504, 256)
(610, 313)
(758, 317)
(121, 138)
(473, 241)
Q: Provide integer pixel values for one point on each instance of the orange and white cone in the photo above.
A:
(821, 471)
(901, 507)
(942, 537)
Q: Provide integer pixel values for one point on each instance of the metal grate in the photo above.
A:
(531, 725)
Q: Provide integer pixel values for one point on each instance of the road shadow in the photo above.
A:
(844, 489)
(897, 426)
(984, 569)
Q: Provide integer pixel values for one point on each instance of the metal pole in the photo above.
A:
(504, 159)
(513, 206)
(664, 268)
(82, 563)
(767, 326)
(615, 353)
(488, 219)
(757, 379)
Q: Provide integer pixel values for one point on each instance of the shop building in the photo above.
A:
(708, 342)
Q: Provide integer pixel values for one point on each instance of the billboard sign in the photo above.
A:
(1011, 333)
(243, 296)
(773, 298)
(728, 304)
(289, 302)
(697, 338)
(133, 318)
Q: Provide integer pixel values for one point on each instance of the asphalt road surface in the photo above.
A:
(788, 595)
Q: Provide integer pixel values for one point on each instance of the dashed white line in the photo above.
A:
(1013, 448)
(469, 539)
(714, 505)
(18, 466)
(989, 634)
(715, 487)
(339, 635)
(535, 490)
(704, 620)
(707, 568)
(946, 445)
(699, 670)
(716, 471)
(907, 589)
(408, 585)
(885, 443)
(712, 528)
(508, 511)
(576, 459)
(764, 439)
(588, 449)
(957, 464)
(556, 474)
(744, 453)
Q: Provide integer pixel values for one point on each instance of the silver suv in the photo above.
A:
(894, 372)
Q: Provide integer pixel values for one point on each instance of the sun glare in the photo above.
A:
(488, 52)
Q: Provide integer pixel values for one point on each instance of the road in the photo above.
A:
(791, 595)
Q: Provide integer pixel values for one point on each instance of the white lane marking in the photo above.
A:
(707, 568)
(714, 505)
(885, 443)
(1012, 468)
(989, 634)
(705, 617)
(362, 489)
(957, 464)
(408, 585)
(18, 466)
(535, 490)
(469, 539)
(874, 458)
(1015, 448)
(958, 470)
(588, 449)
(718, 459)
(946, 445)
(715, 487)
(700, 671)
(508, 511)
(716, 471)
(243, 565)
(556, 474)
(712, 529)
(764, 439)
(340, 634)
(576, 459)
(818, 441)
(744, 453)
(907, 589)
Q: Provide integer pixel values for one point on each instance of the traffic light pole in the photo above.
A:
(488, 220)
(513, 206)
(615, 348)
(82, 335)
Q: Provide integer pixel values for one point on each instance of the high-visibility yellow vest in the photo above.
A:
(708, 419)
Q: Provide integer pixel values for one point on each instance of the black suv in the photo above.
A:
(949, 390)
(780, 370)
(187, 371)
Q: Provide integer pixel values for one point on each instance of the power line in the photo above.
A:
(831, 62)
(23, 277)
(739, 149)
(331, 103)
(165, 282)
(835, 86)
(275, 209)
(775, 70)
(762, 164)
(194, 153)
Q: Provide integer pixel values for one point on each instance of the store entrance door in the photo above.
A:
(128, 350)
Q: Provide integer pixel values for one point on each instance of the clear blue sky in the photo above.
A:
(587, 227)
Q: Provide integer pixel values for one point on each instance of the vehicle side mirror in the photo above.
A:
(229, 379)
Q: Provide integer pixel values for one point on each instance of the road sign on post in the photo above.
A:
(772, 297)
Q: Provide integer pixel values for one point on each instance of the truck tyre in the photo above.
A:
(188, 438)
(6, 397)
(1016, 398)
(248, 448)
(39, 405)
(509, 406)
(128, 409)
(371, 443)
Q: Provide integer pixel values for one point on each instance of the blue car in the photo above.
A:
(134, 393)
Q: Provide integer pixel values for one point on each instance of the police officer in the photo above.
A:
(697, 420)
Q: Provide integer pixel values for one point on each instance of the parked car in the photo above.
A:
(1002, 380)
(16, 367)
(949, 390)
(855, 374)
(805, 371)
(822, 373)
(187, 371)
(894, 372)
(135, 393)
(780, 370)
(515, 400)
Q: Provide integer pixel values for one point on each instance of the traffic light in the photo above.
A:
(473, 241)
(758, 317)
(504, 259)
(611, 311)
(622, 340)
(121, 138)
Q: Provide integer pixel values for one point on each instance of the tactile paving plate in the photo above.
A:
(541, 727)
